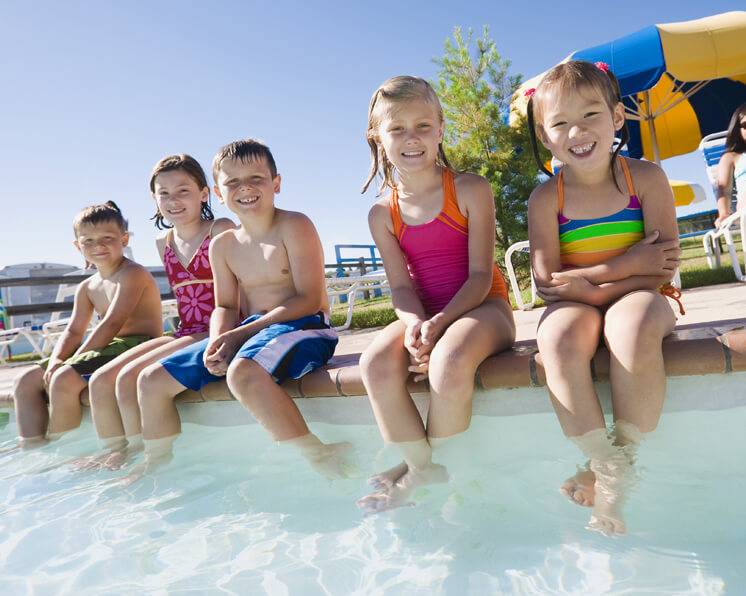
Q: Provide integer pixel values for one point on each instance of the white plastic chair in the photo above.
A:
(53, 329)
(170, 314)
(524, 248)
(350, 286)
(712, 148)
(18, 334)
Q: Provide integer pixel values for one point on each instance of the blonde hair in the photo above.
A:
(396, 89)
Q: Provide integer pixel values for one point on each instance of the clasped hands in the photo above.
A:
(220, 352)
(419, 340)
(648, 257)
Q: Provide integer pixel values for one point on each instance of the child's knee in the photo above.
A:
(451, 364)
(29, 380)
(101, 385)
(125, 386)
(246, 374)
(148, 381)
(380, 364)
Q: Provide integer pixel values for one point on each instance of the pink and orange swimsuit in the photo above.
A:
(437, 252)
(192, 286)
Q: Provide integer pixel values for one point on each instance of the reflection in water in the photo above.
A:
(234, 512)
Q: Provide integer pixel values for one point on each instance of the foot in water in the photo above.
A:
(330, 460)
(385, 480)
(397, 494)
(580, 489)
(112, 460)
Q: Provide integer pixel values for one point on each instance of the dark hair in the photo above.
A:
(191, 166)
(734, 141)
(97, 214)
(245, 151)
(401, 88)
(574, 75)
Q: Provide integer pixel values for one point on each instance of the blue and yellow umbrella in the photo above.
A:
(680, 81)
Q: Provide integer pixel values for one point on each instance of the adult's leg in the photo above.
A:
(30, 403)
(65, 410)
(466, 343)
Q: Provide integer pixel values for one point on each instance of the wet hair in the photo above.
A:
(97, 214)
(396, 89)
(191, 166)
(245, 151)
(734, 141)
(572, 76)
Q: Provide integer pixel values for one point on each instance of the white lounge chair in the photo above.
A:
(350, 286)
(18, 334)
(712, 148)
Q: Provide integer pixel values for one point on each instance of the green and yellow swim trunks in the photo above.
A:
(86, 363)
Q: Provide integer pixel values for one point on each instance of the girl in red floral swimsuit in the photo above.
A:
(181, 193)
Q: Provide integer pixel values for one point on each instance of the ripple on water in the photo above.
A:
(234, 513)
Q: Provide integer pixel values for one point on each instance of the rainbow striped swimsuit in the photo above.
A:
(585, 242)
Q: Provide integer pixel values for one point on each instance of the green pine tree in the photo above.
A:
(475, 91)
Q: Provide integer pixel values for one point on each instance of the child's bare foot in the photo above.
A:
(150, 465)
(398, 494)
(580, 489)
(385, 480)
(330, 460)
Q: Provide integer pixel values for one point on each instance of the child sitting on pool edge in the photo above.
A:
(124, 295)
(275, 259)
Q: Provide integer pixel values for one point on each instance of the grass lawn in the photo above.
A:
(694, 273)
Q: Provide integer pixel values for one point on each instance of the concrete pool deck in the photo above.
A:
(709, 339)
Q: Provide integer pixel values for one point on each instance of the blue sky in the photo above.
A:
(94, 92)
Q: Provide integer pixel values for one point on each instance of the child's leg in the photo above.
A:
(257, 391)
(156, 390)
(104, 409)
(567, 338)
(276, 411)
(30, 402)
(634, 330)
(65, 410)
(465, 344)
(384, 366)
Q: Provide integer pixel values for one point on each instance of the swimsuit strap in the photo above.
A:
(560, 185)
(399, 225)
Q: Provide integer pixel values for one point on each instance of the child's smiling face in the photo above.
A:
(246, 187)
(578, 126)
(410, 133)
(101, 244)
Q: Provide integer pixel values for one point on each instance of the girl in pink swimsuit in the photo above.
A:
(436, 235)
(181, 194)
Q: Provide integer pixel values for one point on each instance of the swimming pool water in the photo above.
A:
(235, 514)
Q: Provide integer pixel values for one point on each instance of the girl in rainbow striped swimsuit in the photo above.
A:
(604, 240)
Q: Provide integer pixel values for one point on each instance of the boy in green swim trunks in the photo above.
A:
(123, 294)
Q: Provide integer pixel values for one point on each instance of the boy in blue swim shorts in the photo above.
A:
(275, 261)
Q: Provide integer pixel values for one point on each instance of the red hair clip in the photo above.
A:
(529, 92)
(602, 65)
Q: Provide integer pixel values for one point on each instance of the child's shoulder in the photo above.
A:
(469, 181)
(221, 225)
(545, 194)
(132, 272)
(641, 167)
